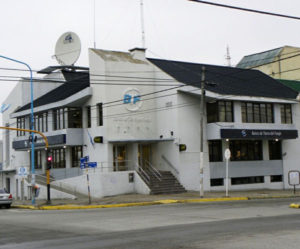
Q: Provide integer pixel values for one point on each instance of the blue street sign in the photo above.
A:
(92, 164)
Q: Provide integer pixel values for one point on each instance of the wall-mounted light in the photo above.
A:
(227, 139)
(276, 139)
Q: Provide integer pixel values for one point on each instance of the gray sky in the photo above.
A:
(175, 29)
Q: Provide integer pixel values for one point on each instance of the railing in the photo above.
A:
(142, 173)
(170, 165)
(153, 170)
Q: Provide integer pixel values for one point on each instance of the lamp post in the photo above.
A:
(32, 122)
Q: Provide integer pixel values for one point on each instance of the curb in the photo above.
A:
(160, 202)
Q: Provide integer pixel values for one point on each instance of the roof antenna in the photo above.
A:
(227, 57)
(142, 23)
(94, 23)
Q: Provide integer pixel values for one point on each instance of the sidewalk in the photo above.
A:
(139, 200)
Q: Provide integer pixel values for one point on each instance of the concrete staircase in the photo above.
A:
(165, 183)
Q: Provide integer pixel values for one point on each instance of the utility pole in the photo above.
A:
(201, 130)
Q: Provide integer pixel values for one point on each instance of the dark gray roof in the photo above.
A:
(258, 59)
(75, 82)
(226, 80)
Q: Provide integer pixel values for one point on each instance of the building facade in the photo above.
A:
(129, 118)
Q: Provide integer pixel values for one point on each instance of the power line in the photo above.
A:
(247, 10)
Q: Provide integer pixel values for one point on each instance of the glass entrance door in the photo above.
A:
(119, 152)
(144, 155)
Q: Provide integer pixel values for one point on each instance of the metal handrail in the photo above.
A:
(143, 173)
(153, 170)
(169, 164)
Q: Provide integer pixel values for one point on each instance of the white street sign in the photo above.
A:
(227, 154)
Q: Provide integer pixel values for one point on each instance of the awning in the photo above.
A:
(258, 134)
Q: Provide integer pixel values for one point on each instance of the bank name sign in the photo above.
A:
(262, 134)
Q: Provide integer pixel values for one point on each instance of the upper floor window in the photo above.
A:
(100, 114)
(89, 116)
(220, 111)
(41, 122)
(257, 112)
(74, 117)
(67, 117)
(286, 113)
(21, 125)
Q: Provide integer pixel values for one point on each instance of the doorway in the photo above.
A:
(119, 153)
(145, 155)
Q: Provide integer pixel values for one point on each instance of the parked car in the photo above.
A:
(5, 198)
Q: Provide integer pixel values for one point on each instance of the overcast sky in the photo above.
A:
(175, 29)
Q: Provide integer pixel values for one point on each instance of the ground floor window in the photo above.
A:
(217, 182)
(76, 155)
(215, 151)
(119, 152)
(247, 180)
(59, 158)
(246, 150)
(276, 178)
(275, 150)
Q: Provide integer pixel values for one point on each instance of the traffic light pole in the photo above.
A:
(48, 186)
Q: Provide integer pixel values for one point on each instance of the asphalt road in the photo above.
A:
(243, 224)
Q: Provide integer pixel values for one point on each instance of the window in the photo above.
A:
(76, 155)
(21, 125)
(246, 150)
(100, 114)
(220, 111)
(215, 150)
(74, 117)
(275, 150)
(89, 116)
(41, 122)
(217, 182)
(70, 117)
(38, 159)
(276, 178)
(257, 112)
(286, 113)
(59, 158)
(247, 180)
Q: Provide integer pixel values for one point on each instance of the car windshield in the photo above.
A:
(2, 191)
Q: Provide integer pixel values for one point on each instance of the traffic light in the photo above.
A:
(49, 162)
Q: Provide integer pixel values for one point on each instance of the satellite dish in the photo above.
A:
(67, 49)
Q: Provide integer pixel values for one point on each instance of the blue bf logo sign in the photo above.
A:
(131, 99)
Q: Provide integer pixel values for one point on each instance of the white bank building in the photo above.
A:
(134, 123)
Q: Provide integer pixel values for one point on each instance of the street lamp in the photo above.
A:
(32, 122)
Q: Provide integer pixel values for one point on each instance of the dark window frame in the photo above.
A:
(100, 114)
(286, 113)
(257, 112)
(246, 150)
(220, 111)
(275, 150)
(215, 150)
(89, 116)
